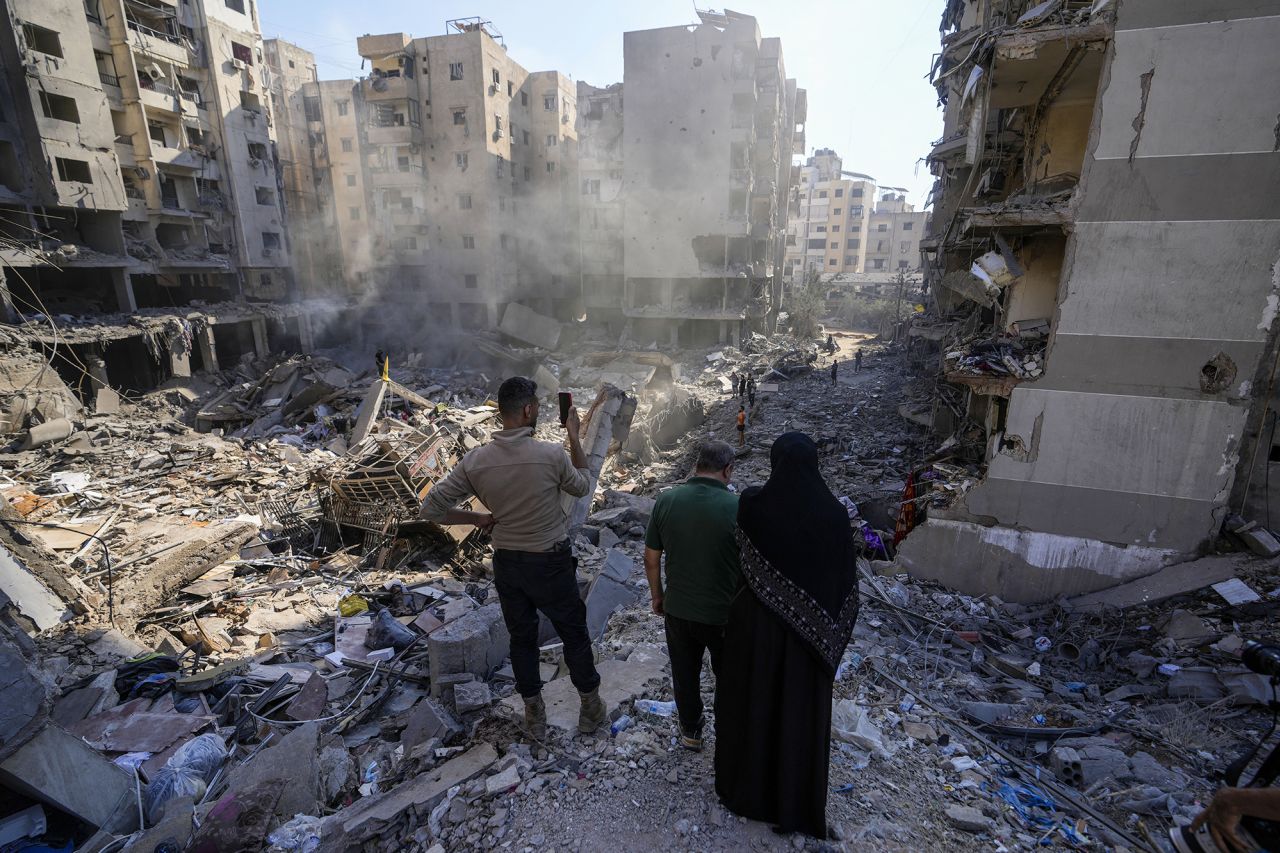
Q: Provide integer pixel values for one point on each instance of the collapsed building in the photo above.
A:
(1100, 202)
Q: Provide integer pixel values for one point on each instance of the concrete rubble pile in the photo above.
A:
(280, 657)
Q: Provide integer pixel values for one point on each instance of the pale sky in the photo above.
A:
(863, 62)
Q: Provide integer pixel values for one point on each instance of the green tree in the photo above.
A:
(806, 306)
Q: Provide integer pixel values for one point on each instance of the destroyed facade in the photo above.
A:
(138, 159)
(1102, 282)
(711, 122)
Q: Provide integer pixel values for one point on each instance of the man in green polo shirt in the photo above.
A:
(693, 524)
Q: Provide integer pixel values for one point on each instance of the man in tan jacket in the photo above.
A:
(521, 481)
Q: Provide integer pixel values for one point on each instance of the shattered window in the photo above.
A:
(464, 201)
(459, 116)
(346, 145)
(840, 192)
(549, 102)
(468, 241)
(343, 106)
(908, 226)
(455, 70)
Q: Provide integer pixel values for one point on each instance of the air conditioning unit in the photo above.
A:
(254, 162)
(238, 64)
(153, 71)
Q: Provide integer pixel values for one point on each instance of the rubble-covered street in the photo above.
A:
(279, 653)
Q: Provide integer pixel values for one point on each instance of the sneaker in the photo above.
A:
(535, 717)
(593, 713)
(691, 739)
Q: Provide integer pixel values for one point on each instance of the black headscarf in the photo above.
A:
(796, 524)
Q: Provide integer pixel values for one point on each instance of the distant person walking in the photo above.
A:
(751, 393)
(383, 361)
(742, 426)
(733, 383)
(694, 526)
(521, 482)
(787, 631)
(742, 386)
(857, 360)
(831, 345)
(835, 366)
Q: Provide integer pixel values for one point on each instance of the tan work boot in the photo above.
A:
(593, 714)
(535, 717)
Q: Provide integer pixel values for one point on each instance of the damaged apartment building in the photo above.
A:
(450, 174)
(841, 222)
(1103, 191)
(710, 125)
(139, 173)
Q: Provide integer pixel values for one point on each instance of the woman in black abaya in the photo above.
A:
(788, 628)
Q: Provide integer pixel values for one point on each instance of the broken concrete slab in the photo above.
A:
(1183, 625)
(293, 764)
(620, 681)
(618, 565)
(471, 696)
(604, 597)
(526, 325)
(968, 819)
(504, 781)
(1166, 583)
(125, 728)
(28, 594)
(57, 768)
(309, 702)
(25, 702)
(413, 799)
(477, 643)
(429, 719)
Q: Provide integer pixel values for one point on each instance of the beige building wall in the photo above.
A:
(893, 236)
(293, 68)
(600, 170)
(829, 217)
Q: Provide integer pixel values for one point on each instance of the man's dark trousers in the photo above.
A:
(528, 582)
(686, 641)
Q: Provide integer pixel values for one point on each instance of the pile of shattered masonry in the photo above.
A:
(222, 628)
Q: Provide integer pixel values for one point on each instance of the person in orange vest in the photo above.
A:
(742, 426)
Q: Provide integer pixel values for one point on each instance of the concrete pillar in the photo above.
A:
(124, 291)
(208, 351)
(610, 420)
(306, 337)
(179, 360)
(259, 327)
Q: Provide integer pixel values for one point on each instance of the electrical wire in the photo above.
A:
(106, 553)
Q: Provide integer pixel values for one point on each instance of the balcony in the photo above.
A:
(124, 150)
(401, 176)
(162, 98)
(160, 45)
(387, 89)
(177, 158)
(396, 134)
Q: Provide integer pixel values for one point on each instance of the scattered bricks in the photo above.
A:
(471, 696)
(968, 819)
(477, 643)
(1066, 765)
(1147, 770)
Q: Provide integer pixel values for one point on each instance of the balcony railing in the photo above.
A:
(147, 31)
(109, 79)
